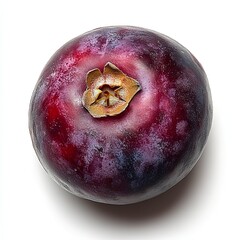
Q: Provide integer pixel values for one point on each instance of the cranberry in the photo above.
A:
(120, 114)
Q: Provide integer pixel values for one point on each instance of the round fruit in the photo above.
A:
(120, 114)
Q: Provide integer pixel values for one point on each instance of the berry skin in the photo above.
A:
(120, 114)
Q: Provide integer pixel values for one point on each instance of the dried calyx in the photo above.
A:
(108, 93)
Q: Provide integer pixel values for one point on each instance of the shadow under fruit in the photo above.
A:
(120, 114)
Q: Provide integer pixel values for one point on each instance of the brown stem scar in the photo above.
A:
(108, 93)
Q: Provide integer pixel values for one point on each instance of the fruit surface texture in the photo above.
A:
(120, 114)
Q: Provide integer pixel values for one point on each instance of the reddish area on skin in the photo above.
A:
(139, 153)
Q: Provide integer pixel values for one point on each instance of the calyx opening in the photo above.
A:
(108, 93)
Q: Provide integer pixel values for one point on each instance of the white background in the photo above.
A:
(205, 205)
